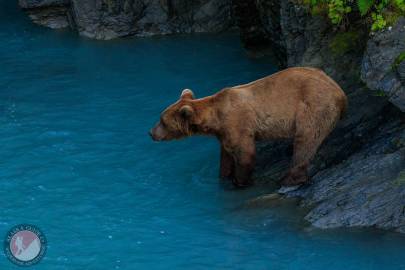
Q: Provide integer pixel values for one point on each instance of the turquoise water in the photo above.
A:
(77, 162)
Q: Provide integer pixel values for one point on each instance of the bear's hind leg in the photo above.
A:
(310, 133)
(297, 175)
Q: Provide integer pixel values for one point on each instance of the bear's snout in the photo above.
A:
(152, 134)
(157, 133)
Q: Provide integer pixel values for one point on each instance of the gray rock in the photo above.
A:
(260, 31)
(287, 190)
(293, 21)
(367, 189)
(50, 13)
(400, 69)
(106, 19)
(42, 3)
(54, 17)
(356, 175)
(269, 12)
(378, 70)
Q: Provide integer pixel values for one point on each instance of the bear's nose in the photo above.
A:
(150, 132)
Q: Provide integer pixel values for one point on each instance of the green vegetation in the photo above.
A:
(380, 13)
(379, 93)
(398, 60)
(400, 179)
(343, 42)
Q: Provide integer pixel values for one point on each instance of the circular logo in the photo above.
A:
(25, 245)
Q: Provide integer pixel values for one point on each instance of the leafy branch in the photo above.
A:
(379, 12)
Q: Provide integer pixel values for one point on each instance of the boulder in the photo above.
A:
(50, 13)
(381, 69)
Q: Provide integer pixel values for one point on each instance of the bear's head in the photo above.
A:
(176, 121)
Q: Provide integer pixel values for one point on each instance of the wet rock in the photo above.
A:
(356, 175)
(379, 68)
(55, 17)
(367, 189)
(263, 201)
(269, 12)
(50, 13)
(287, 190)
(293, 22)
(106, 19)
(251, 28)
(400, 69)
(259, 27)
(42, 3)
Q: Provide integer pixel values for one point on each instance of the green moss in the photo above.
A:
(392, 16)
(343, 42)
(399, 143)
(319, 10)
(400, 179)
(398, 60)
(111, 5)
(379, 93)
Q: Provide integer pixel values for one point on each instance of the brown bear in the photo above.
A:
(301, 103)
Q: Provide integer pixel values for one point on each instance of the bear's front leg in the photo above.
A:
(227, 164)
(245, 158)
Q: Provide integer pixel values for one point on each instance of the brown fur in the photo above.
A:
(300, 103)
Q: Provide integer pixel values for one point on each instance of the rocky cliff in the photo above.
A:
(359, 172)
(108, 19)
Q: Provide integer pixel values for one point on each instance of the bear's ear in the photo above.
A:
(186, 111)
(187, 94)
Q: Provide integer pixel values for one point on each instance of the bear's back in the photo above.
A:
(272, 102)
(290, 86)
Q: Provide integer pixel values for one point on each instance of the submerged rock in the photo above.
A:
(263, 201)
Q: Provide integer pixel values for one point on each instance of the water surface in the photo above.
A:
(77, 162)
